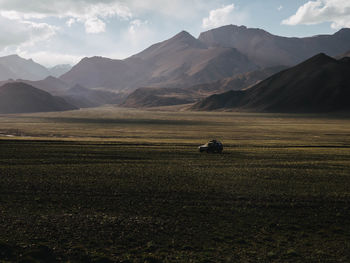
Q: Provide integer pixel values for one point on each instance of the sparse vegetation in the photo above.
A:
(116, 185)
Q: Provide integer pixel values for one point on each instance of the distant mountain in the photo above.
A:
(320, 84)
(59, 70)
(155, 97)
(15, 67)
(18, 97)
(268, 50)
(180, 61)
(78, 96)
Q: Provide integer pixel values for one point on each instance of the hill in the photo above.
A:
(18, 97)
(268, 50)
(180, 61)
(154, 97)
(78, 96)
(320, 84)
(17, 68)
(20, 68)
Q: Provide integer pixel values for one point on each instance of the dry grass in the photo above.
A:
(122, 185)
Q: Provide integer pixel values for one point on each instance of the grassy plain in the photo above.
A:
(117, 185)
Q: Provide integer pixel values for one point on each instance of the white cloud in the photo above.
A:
(90, 13)
(23, 33)
(139, 34)
(94, 26)
(70, 22)
(319, 11)
(219, 17)
(280, 8)
(135, 26)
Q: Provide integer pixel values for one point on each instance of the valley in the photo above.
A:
(125, 185)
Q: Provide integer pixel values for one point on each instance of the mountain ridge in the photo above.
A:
(266, 49)
(320, 84)
(15, 67)
(179, 61)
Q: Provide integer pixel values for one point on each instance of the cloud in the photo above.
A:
(23, 33)
(319, 11)
(94, 26)
(135, 25)
(139, 34)
(280, 8)
(91, 13)
(218, 17)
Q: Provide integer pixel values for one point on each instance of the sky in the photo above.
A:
(64, 31)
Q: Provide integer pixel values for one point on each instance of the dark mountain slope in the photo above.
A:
(18, 97)
(269, 50)
(320, 84)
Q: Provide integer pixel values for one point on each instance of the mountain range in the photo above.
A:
(185, 69)
(184, 60)
(320, 84)
(15, 67)
(78, 96)
(180, 61)
(267, 50)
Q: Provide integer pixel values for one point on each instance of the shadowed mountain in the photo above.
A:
(320, 84)
(50, 84)
(180, 61)
(78, 96)
(268, 50)
(154, 97)
(18, 97)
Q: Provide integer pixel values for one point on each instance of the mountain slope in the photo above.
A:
(154, 97)
(180, 61)
(50, 84)
(20, 68)
(18, 97)
(320, 84)
(78, 96)
(268, 50)
(59, 70)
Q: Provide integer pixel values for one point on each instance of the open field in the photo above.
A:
(123, 185)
